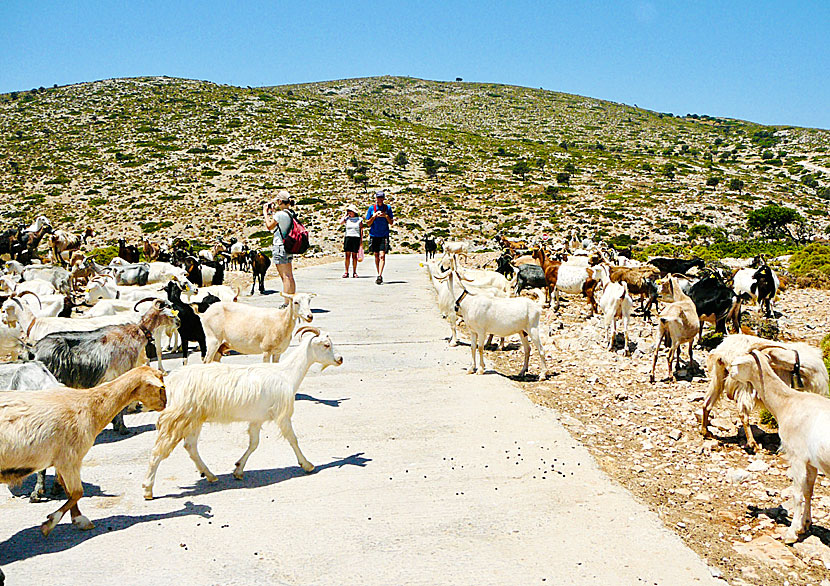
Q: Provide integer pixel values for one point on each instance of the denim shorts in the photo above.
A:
(278, 255)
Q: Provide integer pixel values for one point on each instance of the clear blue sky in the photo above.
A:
(765, 61)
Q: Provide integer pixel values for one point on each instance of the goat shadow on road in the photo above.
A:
(109, 436)
(25, 488)
(30, 543)
(260, 478)
(326, 402)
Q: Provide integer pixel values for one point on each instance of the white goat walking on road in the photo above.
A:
(224, 393)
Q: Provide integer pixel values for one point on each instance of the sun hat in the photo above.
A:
(352, 208)
(283, 195)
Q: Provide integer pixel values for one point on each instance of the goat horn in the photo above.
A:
(305, 329)
(22, 293)
(288, 296)
(137, 303)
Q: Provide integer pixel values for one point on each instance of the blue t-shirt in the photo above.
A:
(380, 227)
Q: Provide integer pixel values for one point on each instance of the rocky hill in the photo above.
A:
(167, 156)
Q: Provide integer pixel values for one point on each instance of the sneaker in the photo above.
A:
(379, 280)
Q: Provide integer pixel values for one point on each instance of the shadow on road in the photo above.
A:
(259, 478)
(327, 402)
(30, 543)
(25, 488)
(109, 436)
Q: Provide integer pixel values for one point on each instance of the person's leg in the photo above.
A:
(381, 256)
(286, 272)
(346, 274)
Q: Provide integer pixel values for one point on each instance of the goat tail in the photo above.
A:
(625, 290)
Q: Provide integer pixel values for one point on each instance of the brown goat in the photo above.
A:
(641, 281)
(551, 269)
(57, 427)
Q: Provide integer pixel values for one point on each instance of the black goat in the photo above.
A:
(208, 300)
(530, 276)
(259, 266)
(764, 287)
(716, 302)
(128, 253)
(668, 266)
(504, 266)
(190, 324)
(430, 247)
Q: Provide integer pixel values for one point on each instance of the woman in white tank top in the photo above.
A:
(353, 238)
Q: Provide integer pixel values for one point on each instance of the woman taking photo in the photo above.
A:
(278, 219)
(353, 238)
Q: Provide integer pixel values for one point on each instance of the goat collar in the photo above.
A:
(458, 301)
(147, 333)
(31, 325)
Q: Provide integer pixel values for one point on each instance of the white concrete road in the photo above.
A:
(425, 475)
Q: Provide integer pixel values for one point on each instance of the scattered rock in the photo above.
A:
(758, 466)
(769, 551)
(812, 548)
(736, 476)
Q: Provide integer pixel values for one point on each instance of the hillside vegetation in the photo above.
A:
(169, 156)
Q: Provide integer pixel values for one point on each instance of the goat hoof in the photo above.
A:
(238, 474)
(308, 467)
(82, 523)
(46, 528)
(790, 537)
(211, 478)
(471, 371)
(148, 496)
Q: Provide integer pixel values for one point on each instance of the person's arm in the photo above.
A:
(390, 216)
(369, 218)
(268, 218)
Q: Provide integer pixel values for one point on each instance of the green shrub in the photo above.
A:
(150, 227)
(813, 258)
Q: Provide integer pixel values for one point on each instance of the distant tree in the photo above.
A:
(809, 181)
(501, 152)
(563, 178)
(458, 79)
(540, 163)
(668, 170)
(361, 179)
(551, 191)
(712, 181)
(736, 185)
(431, 166)
(767, 155)
(569, 168)
(564, 144)
(646, 166)
(775, 221)
(358, 171)
(13, 95)
(401, 160)
(521, 168)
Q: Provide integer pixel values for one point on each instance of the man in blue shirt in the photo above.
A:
(379, 218)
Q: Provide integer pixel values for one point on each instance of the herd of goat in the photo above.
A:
(748, 369)
(69, 375)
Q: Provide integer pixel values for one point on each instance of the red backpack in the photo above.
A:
(296, 241)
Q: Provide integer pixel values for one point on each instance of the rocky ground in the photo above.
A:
(726, 504)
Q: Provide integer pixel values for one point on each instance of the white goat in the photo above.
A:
(11, 342)
(253, 330)
(456, 247)
(795, 363)
(678, 325)
(224, 393)
(803, 420)
(57, 427)
(162, 272)
(223, 292)
(615, 304)
(501, 317)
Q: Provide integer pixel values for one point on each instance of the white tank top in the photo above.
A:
(353, 227)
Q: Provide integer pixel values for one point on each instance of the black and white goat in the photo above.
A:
(86, 359)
